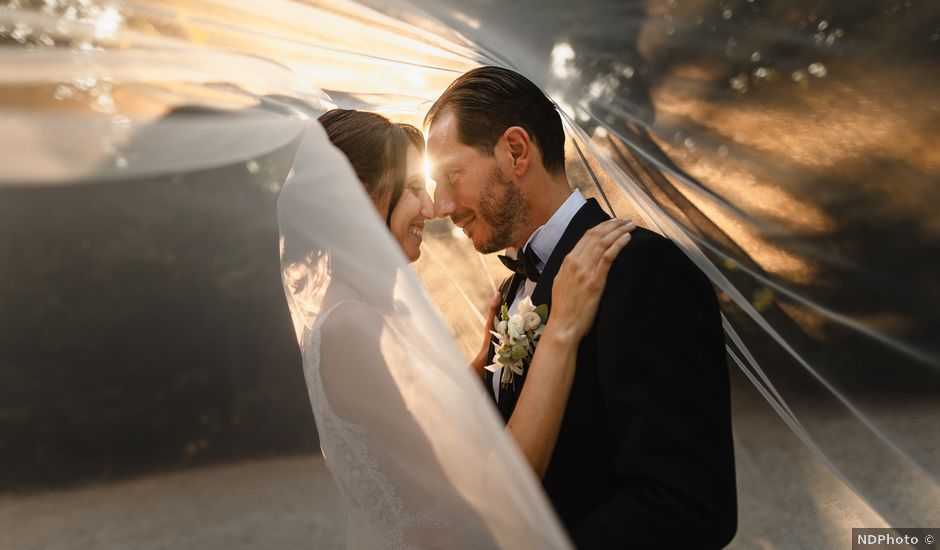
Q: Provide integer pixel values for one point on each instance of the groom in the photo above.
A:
(644, 458)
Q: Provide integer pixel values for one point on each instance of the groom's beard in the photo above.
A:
(503, 207)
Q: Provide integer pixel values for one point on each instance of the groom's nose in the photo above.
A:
(443, 202)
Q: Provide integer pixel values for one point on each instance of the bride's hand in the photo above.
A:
(479, 362)
(577, 289)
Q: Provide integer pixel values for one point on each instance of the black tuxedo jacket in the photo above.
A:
(644, 458)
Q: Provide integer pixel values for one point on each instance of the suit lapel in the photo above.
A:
(588, 216)
(508, 289)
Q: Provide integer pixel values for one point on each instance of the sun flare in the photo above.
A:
(428, 181)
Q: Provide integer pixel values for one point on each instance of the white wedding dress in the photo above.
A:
(415, 446)
(368, 476)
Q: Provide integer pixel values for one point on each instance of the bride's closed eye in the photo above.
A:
(416, 188)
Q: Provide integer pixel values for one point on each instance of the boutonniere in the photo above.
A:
(516, 338)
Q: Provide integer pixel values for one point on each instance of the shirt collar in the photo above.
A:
(545, 238)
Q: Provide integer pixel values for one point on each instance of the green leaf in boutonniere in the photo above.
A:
(517, 336)
(542, 310)
(519, 352)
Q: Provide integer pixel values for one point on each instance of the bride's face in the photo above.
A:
(414, 208)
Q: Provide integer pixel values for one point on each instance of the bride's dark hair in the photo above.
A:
(376, 147)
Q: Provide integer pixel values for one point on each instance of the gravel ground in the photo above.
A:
(292, 503)
(277, 503)
(788, 499)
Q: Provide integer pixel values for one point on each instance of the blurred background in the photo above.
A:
(151, 391)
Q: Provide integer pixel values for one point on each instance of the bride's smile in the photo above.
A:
(413, 209)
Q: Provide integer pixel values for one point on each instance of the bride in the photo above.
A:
(415, 450)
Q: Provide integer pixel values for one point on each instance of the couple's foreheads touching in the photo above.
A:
(496, 149)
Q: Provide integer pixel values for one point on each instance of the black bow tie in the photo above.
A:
(524, 265)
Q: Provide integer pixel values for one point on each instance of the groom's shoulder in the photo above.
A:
(646, 244)
(649, 252)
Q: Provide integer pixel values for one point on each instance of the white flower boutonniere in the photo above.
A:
(516, 338)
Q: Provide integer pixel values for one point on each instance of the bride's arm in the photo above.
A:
(576, 293)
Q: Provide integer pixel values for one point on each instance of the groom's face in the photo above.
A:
(471, 189)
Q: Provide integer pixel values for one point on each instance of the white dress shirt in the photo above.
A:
(543, 242)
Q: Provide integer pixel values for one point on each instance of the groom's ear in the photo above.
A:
(518, 145)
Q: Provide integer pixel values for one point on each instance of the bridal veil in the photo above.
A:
(413, 396)
(789, 148)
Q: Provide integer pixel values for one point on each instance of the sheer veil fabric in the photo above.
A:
(413, 443)
(788, 148)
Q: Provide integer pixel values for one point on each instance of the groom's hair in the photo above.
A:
(488, 100)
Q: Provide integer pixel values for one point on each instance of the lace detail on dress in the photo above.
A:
(368, 492)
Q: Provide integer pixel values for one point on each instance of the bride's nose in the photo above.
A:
(427, 207)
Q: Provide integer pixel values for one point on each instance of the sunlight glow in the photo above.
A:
(563, 61)
(428, 182)
(108, 23)
(466, 20)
